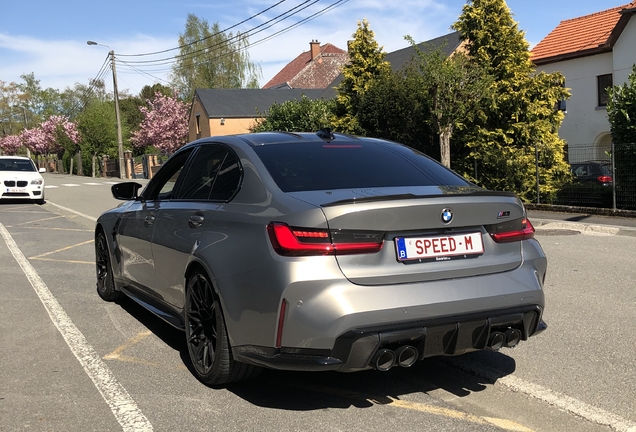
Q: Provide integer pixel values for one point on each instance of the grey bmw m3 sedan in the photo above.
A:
(321, 251)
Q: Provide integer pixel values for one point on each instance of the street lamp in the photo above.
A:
(120, 141)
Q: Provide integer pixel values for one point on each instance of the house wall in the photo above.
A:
(230, 126)
(213, 127)
(585, 122)
(203, 128)
(624, 53)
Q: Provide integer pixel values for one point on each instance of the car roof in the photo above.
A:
(258, 139)
(15, 157)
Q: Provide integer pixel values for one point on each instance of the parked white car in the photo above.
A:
(20, 179)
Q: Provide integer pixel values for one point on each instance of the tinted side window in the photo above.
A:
(228, 179)
(345, 165)
(198, 182)
(162, 186)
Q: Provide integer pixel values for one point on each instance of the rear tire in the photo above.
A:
(206, 336)
(105, 282)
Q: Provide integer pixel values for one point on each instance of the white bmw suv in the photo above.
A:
(20, 179)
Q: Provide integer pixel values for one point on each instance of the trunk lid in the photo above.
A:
(416, 213)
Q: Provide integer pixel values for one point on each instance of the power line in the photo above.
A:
(207, 37)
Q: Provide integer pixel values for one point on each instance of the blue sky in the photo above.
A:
(49, 38)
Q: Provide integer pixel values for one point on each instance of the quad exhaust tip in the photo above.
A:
(404, 356)
(509, 339)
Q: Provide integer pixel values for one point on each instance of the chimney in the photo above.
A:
(314, 48)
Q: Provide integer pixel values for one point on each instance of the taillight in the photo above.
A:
(520, 229)
(291, 241)
(604, 179)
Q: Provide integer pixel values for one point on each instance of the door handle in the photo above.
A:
(196, 221)
(149, 220)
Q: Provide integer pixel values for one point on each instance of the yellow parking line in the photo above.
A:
(130, 342)
(421, 407)
(62, 249)
(39, 220)
(62, 229)
(117, 354)
(64, 261)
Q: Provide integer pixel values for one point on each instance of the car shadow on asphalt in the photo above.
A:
(302, 391)
(319, 390)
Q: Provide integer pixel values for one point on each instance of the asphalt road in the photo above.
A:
(71, 362)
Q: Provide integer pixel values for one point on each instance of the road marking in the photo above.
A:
(70, 184)
(124, 408)
(72, 211)
(62, 249)
(93, 184)
(416, 406)
(64, 261)
(564, 402)
(39, 220)
(50, 187)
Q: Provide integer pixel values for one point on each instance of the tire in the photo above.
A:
(206, 336)
(105, 282)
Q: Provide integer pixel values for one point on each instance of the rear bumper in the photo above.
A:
(357, 348)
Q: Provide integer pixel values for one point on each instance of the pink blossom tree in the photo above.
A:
(10, 144)
(165, 124)
(61, 134)
(35, 140)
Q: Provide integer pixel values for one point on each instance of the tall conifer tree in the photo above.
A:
(519, 116)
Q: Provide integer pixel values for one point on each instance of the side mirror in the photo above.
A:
(125, 191)
(42, 170)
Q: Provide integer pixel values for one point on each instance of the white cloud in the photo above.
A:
(62, 63)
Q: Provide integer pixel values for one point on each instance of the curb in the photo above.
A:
(582, 228)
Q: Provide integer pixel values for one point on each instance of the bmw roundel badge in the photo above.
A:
(447, 215)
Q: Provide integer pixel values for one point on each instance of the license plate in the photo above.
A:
(439, 248)
(16, 190)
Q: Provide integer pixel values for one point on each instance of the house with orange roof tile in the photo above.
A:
(313, 69)
(593, 52)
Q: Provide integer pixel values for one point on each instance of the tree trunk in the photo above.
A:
(70, 171)
(80, 167)
(444, 145)
(93, 166)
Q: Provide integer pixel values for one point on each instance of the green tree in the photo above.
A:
(395, 107)
(304, 115)
(366, 64)
(210, 58)
(519, 115)
(96, 125)
(621, 111)
(455, 87)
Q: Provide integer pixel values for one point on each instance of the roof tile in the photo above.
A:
(580, 34)
(308, 73)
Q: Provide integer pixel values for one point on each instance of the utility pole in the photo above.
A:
(120, 141)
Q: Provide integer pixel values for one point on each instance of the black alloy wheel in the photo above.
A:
(105, 282)
(207, 338)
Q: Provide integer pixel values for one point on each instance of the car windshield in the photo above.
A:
(16, 165)
(351, 165)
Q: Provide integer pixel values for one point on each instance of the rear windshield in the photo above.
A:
(327, 166)
(16, 165)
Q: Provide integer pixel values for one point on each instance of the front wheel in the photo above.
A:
(105, 283)
(206, 336)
